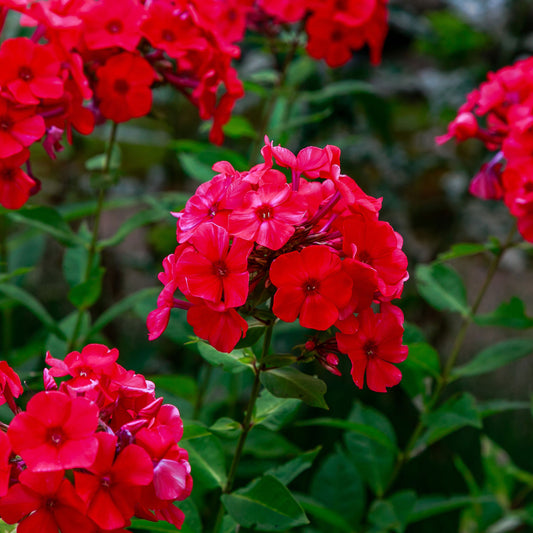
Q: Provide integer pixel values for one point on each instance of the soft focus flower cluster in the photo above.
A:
(87, 455)
(334, 28)
(111, 53)
(500, 113)
(313, 245)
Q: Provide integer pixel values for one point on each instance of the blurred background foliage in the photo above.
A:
(384, 120)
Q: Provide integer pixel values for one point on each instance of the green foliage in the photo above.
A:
(266, 505)
(442, 288)
(510, 314)
(289, 382)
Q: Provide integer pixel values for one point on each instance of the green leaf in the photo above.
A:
(15, 273)
(235, 361)
(121, 307)
(393, 513)
(24, 298)
(373, 459)
(157, 527)
(138, 220)
(462, 249)
(206, 456)
(265, 444)
(48, 220)
(442, 288)
(424, 358)
(179, 385)
(451, 416)
(254, 333)
(494, 357)
(239, 127)
(291, 470)
(226, 428)
(337, 484)
(493, 407)
(324, 514)
(192, 523)
(57, 345)
(87, 292)
(510, 314)
(195, 168)
(273, 412)
(97, 163)
(428, 506)
(289, 382)
(74, 264)
(265, 504)
(366, 430)
(334, 90)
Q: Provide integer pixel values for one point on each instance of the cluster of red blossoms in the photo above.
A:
(313, 246)
(334, 28)
(505, 101)
(113, 53)
(87, 455)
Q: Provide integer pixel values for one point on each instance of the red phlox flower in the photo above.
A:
(172, 471)
(268, 216)
(364, 286)
(375, 243)
(5, 464)
(172, 29)
(10, 385)
(312, 285)
(30, 71)
(213, 270)
(19, 127)
(110, 23)
(374, 347)
(123, 87)
(487, 183)
(221, 328)
(206, 205)
(463, 127)
(107, 488)
(45, 502)
(55, 432)
(285, 10)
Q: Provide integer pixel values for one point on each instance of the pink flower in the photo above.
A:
(214, 271)
(268, 215)
(55, 432)
(373, 348)
(311, 285)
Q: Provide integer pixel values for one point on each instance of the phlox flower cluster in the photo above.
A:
(90, 453)
(298, 242)
(111, 54)
(334, 28)
(500, 114)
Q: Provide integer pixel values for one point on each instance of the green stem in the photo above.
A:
(4, 269)
(202, 389)
(246, 424)
(94, 238)
(273, 95)
(452, 359)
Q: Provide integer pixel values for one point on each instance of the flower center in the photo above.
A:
(25, 73)
(51, 503)
(114, 26)
(168, 35)
(220, 269)
(264, 212)
(337, 35)
(6, 123)
(56, 436)
(364, 257)
(105, 482)
(371, 349)
(8, 174)
(311, 286)
(121, 86)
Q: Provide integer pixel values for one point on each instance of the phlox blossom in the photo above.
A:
(55, 432)
(311, 285)
(373, 348)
